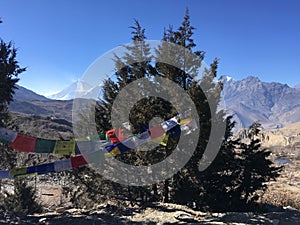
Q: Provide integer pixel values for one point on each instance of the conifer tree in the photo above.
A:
(23, 200)
(222, 181)
(256, 168)
(9, 72)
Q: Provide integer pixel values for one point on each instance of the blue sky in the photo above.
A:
(57, 40)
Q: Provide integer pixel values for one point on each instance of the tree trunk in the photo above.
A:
(166, 191)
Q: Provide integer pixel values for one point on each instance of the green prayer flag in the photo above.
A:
(44, 146)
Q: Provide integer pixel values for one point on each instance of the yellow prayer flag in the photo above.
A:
(113, 152)
(164, 142)
(185, 121)
(64, 147)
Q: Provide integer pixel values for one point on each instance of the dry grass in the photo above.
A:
(286, 190)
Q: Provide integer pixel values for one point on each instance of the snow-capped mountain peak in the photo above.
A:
(77, 89)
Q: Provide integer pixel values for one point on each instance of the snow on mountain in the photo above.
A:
(76, 89)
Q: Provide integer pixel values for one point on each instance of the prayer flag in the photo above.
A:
(44, 146)
(141, 139)
(115, 135)
(78, 161)
(175, 131)
(7, 135)
(23, 143)
(95, 157)
(165, 140)
(17, 171)
(123, 148)
(5, 174)
(45, 168)
(115, 151)
(62, 165)
(169, 124)
(64, 147)
(156, 132)
(112, 136)
(103, 136)
(90, 146)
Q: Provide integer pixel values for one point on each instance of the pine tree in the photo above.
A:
(223, 180)
(256, 168)
(9, 72)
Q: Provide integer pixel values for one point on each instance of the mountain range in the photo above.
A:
(273, 104)
(248, 100)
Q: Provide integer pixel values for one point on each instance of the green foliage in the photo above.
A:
(239, 173)
(23, 200)
(255, 166)
(9, 71)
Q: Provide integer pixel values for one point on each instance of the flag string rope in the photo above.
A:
(91, 148)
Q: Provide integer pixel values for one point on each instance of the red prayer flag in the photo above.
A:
(115, 135)
(156, 132)
(78, 161)
(23, 143)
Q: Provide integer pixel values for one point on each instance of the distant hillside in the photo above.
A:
(29, 102)
(52, 108)
(250, 99)
(22, 93)
(44, 127)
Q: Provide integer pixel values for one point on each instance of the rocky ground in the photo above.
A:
(159, 214)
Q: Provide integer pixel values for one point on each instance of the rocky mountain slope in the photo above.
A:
(51, 108)
(250, 99)
(22, 93)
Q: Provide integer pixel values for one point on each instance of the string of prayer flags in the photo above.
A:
(92, 149)
(87, 147)
(64, 147)
(23, 143)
